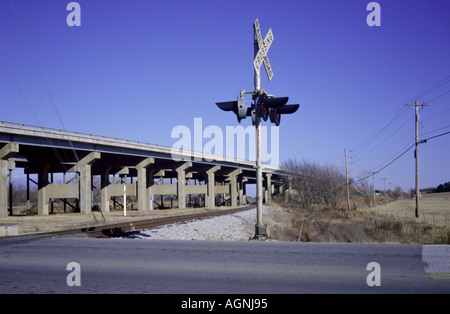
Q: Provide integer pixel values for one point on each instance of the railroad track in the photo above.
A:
(130, 227)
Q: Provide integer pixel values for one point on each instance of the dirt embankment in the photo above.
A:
(391, 223)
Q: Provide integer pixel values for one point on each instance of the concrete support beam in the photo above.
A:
(142, 192)
(6, 152)
(242, 192)
(181, 184)
(42, 186)
(164, 189)
(288, 192)
(210, 197)
(123, 172)
(269, 188)
(85, 188)
(233, 186)
(9, 150)
(104, 192)
(84, 168)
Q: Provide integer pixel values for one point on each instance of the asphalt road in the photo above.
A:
(198, 267)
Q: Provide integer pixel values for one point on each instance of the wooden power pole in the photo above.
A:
(384, 189)
(373, 176)
(348, 186)
(416, 154)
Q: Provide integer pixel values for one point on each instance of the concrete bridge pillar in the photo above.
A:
(6, 152)
(104, 195)
(233, 186)
(210, 197)
(84, 168)
(242, 192)
(269, 187)
(288, 191)
(181, 184)
(142, 192)
(42, 190)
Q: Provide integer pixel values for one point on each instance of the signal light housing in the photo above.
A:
(264, 106)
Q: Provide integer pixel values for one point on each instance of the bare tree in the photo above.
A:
(332, 185)
(316, 184)
(397, 193)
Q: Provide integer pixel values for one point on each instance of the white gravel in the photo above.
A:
(235, 227)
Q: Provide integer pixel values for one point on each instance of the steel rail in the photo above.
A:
(129, 227)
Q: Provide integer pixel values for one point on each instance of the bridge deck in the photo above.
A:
(42, 151)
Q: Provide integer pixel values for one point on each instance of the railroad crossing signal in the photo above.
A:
(264, 106)
(263, 46)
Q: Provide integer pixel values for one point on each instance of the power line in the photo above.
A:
(439, 96)
(430, 89)
(44, 82)
(357, 155)
(389, 137)
(364, 145)
(371, 139)
(437, 136)
(36, 63)
(399, 156)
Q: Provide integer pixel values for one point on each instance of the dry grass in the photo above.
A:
(387, 224)
(433, 209)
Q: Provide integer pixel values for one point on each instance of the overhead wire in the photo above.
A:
(429, 101)
(356, 156)
(430, 89)
(399, 156)
(402, 110)
(43, 82)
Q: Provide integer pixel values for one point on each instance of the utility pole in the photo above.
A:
(384, 189)
(373, 175)
(348, 187)
(416, 154)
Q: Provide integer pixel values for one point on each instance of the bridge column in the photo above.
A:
(210, 197)
(142, 192)
(104, 195)
(181, 184)
(6, 152)
(84, 168)
(269, 188)
(233, 186)
(288, 192)
(242, 193)
(42, 187)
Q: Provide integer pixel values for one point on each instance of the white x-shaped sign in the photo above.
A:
(263, 47)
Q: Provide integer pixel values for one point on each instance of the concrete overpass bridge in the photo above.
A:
(43, 151)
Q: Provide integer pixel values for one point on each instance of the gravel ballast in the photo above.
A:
(234, 227)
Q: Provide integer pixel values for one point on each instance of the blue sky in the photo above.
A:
(137, 69)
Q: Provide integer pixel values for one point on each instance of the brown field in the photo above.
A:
(433, 209)
(391, 223)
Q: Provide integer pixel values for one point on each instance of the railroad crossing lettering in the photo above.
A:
(263, 47)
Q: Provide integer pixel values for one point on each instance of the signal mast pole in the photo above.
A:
(263, 106)
(260, 230)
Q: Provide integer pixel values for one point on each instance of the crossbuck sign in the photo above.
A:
(263, 47)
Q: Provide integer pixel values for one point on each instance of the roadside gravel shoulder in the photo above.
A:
(234, 227)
